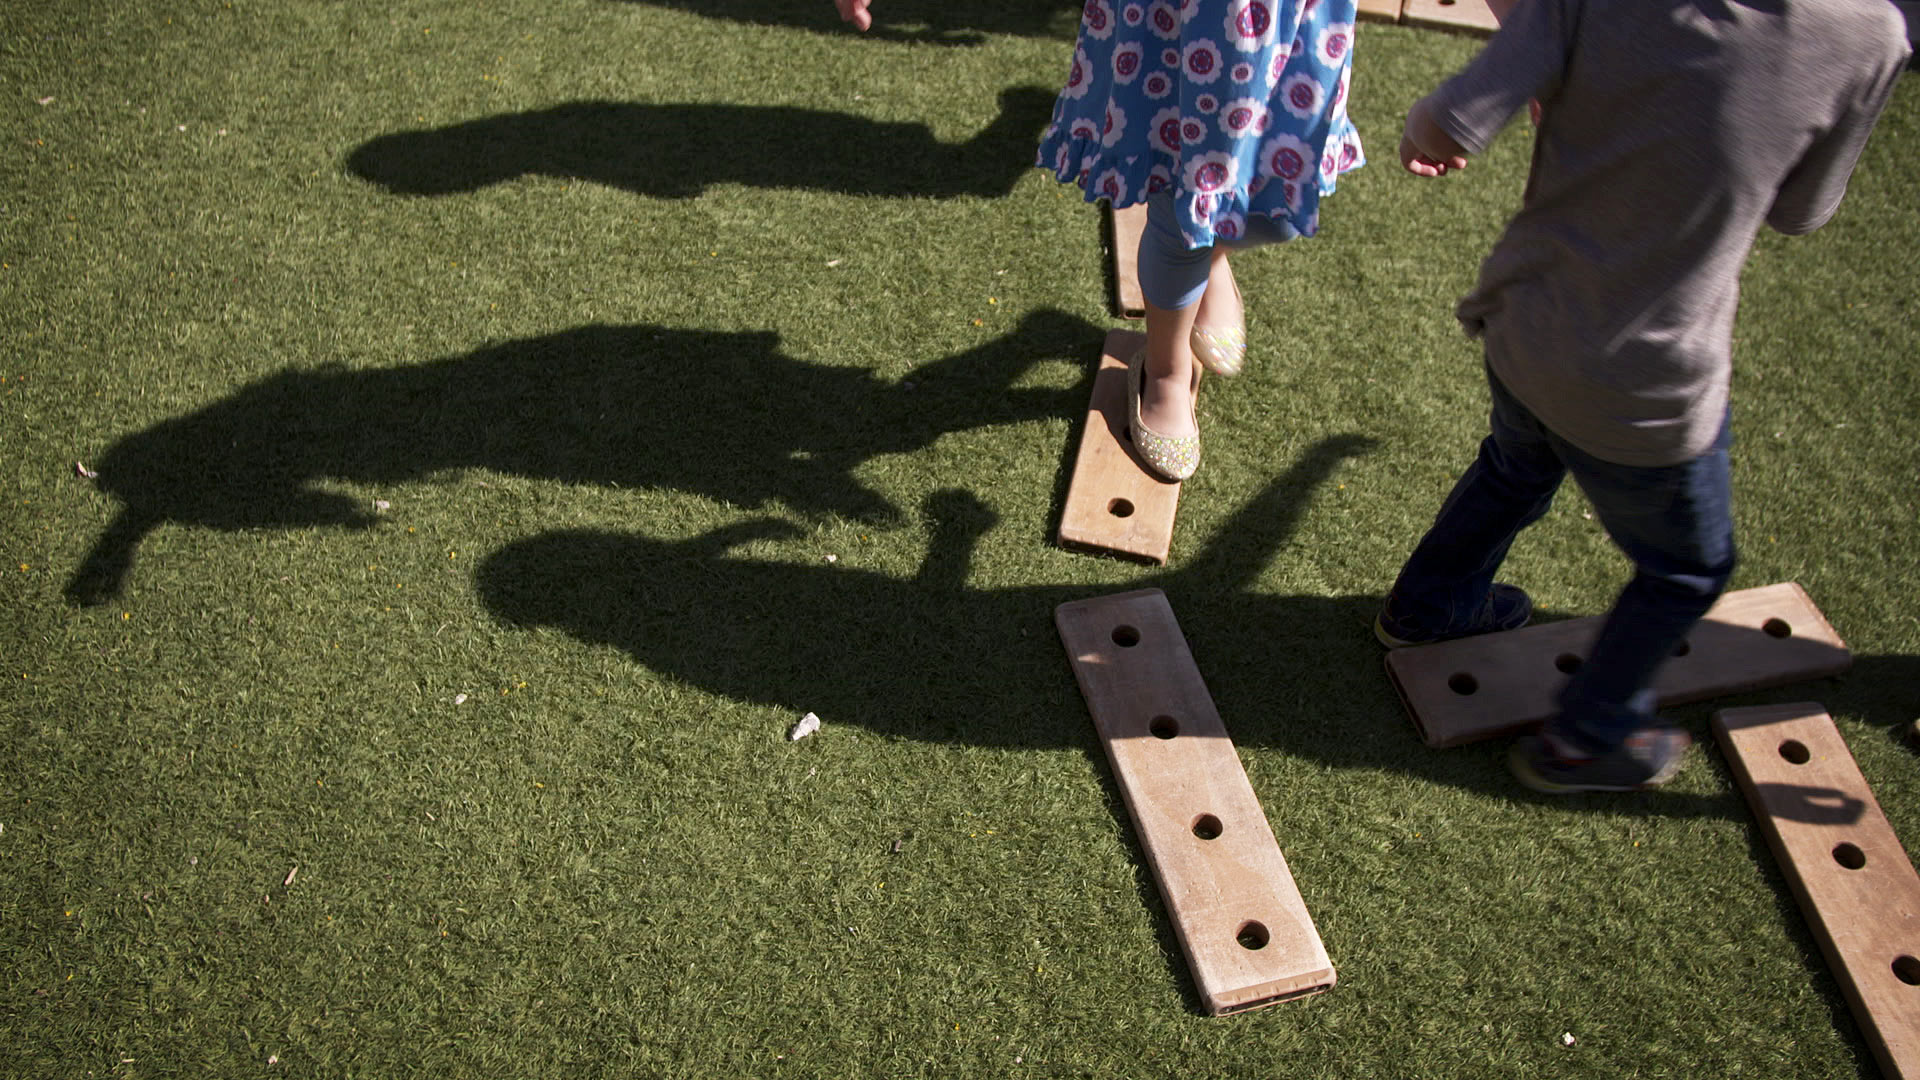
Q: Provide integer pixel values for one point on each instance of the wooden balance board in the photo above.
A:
(1845, 866)
(1239, 917)
(1496, 684)
(1113, 503)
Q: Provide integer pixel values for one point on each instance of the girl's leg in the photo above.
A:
(1173, 278)
(1177, 283)
(1166, 399)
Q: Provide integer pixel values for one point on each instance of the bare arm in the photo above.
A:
(855, 12)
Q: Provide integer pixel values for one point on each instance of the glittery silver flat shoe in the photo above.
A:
(1221, 349)
(1168, 458)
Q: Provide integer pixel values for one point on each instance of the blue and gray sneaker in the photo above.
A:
(1508, 607)
(1650, 757)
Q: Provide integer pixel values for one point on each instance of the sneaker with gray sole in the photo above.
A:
(1648, 758)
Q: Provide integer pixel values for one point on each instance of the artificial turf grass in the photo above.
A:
(633, 872)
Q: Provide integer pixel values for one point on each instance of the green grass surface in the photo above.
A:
(642, 376)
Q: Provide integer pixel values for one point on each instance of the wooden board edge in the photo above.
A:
(1274, 992)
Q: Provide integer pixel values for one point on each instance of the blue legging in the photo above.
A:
(1173, 275)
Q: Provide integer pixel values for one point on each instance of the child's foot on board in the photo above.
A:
(1166, 404)
(1170, 455)
(1648, 758)
(1508, 607)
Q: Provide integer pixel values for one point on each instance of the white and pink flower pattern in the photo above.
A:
(1244, 117)
(1212, 173)
(1336, 42)
(1286, 156)
(1079, 76)
(1302, 95)
(1164, 20)
(1202, 62)
(1250, 24)
(1096, 20)
(1165, 136)
(1237, 108)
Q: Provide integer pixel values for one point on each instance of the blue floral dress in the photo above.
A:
(1236, 107)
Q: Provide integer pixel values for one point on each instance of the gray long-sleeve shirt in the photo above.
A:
(1672, 130)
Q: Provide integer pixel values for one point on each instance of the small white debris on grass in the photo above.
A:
(46, 101)
(381, 506)
(289, 880)
(1566, 1038)
(808, 725)
(80, 469)
(833, 558)
(459, 699)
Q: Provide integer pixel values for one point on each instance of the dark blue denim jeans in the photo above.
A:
(1675, 522)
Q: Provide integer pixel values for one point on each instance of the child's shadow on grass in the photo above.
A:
(937, 659)
(724, 415)
(931, 657)
(934, 658)
(677, 151)
(933, 22)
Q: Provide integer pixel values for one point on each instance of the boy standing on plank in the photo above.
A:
(1670, 130)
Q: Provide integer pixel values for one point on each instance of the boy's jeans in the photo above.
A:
(1675, 522)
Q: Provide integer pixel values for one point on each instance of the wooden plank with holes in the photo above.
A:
(1845, 866)
(1380, 10)
(1113, 503)
(1473, 15)
(1496, 684)
(1239, 916)
(1120, 241)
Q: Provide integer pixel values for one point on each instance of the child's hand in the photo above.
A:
(1425, 148)
(1420, 164)
(855, 12)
